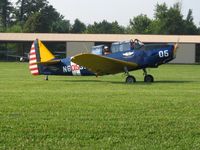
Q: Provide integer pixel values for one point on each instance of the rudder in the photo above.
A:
(33, 66)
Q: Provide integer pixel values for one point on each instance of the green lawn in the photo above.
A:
(100, 113)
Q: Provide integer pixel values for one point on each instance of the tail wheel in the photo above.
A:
(130, 79)
(46, 78)
(148, 78)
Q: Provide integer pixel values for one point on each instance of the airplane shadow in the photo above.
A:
(122, 82)
(170, 81)
(155, 82)
(92, 81)
(84, 81)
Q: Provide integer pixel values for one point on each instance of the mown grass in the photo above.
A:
(100, 113)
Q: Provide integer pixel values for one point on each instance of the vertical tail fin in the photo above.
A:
(38, 54)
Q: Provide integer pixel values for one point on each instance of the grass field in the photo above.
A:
(100, 113)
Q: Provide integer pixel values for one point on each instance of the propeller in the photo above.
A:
(176, 46)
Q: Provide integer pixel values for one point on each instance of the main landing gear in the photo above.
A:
(147, 77)
(131, 79)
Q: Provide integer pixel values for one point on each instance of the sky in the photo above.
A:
(89, 11)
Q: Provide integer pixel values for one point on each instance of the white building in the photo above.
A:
(188, 52)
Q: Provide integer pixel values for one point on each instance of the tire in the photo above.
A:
(130, 79)
(148, 78)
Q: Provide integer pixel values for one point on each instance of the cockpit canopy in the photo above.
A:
(118, 47)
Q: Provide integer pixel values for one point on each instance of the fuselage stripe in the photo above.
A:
(32, 51)
(31, 66)
(32, 56)
(34, 71)
(32, 61)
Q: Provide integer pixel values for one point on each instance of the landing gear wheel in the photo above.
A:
(148, 78)
(46, 78)
(130, 79)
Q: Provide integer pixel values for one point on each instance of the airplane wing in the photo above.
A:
(101, 65)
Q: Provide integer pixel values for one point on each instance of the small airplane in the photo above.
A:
(24, 58)
(12, 54)
(121, 57)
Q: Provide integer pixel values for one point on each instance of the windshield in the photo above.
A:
(127, 45)
(136, 44)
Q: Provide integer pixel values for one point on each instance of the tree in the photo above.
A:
(39, 16)
(33, 24)
(26, 8)
(160, 11)
(61, 26)
(5, 13)
(189, 26)
(46, 20)
(15, 28)
(78, 27)
(158, 25)
(105, 27)
(174, 23)
(140, 24)
(117, 29)
(168, 20)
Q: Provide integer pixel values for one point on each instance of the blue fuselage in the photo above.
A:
(144, 58)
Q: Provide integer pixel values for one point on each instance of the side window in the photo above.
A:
(97, 50)
(126, 46)
(114, 48)
(121, 48)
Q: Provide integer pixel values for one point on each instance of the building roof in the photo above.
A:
(23, 37)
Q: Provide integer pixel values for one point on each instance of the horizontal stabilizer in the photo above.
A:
(39, 55)
(49, 62)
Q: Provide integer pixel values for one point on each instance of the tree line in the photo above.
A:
(38, 16)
